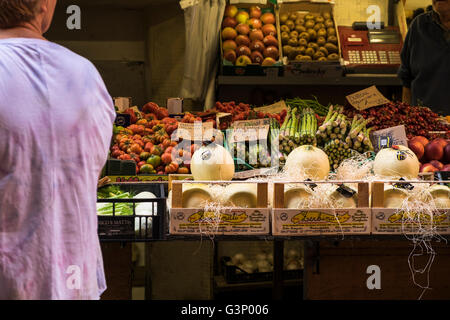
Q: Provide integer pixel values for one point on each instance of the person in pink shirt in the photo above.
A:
(56, 120)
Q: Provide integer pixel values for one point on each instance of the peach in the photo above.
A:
(268, 18)
(229, 45)
(228, 33)
(231, 11)
(255, 12)
(229, 22)
(271, 52)
(243, 50)
(256, 34)
(242, 40)
(243, 28)
(257, 45)
(269, 29)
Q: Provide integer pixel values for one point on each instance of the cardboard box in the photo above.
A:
(320, 69)
(319, 222)
(228, 68)
(236, 221)
(175, 105)
(396, 222)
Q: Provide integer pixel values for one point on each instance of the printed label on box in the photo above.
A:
(116, 227)
(230, 222)
(394, 221)
(139, 178)
(291, 222)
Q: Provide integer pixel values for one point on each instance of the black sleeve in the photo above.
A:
(404, 72)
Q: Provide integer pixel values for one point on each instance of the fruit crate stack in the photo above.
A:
(249, 41)
(309, 41)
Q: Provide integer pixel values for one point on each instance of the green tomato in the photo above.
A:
(154, 160)
(146, 168)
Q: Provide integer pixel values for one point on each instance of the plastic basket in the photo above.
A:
(136, 228)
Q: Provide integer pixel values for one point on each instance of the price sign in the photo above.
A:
(367, 98)
(273, 108)
(198, 131)
(388, 137)
(251, 130)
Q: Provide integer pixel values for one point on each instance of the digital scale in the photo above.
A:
(370, 51)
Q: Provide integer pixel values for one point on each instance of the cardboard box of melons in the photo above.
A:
(309, 41)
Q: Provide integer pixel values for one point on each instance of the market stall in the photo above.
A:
(307, 159)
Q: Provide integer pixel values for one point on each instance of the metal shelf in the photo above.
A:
(349, 80)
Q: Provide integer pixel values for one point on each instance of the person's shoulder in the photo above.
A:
(423, 20)
(72, 59)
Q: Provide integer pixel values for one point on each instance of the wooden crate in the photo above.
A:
(237, 221)
(394, 222)
(318, 222)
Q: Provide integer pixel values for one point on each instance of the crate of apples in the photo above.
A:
(433, 155)
(249, 36)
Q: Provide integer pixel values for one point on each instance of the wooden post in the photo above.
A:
(363, 195)
(177, 195)
(378, 195)
(278, 195)
(262, 195)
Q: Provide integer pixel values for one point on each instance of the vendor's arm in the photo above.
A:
(406, 95)
(405, 72)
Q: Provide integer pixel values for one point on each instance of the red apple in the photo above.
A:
(229, 22)
(229, 45)
(228, 33)
(438, 165)
(434, 151)
(243, 28)
(446, 167)
(257, 45)
(243, 51)
(257, 57)
(255, 12)
(271, 52)
(424, 141)
(242, 40)
(256, 34)
(270, 41)
(428, 167)
(447, 153)
(268, 18)
(255, 23)
(269, 29)
(230, 55)
(417, 148)
(231, 11)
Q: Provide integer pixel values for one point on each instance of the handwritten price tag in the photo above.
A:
(250, 130)
(197, 131)
(367, 98)
(273, 108)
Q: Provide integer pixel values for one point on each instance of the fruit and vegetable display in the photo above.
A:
(433, 155)
(249, 36)
(148, 142)
(243, 111)
(337, 136)
(418, 121)
(310, 37)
